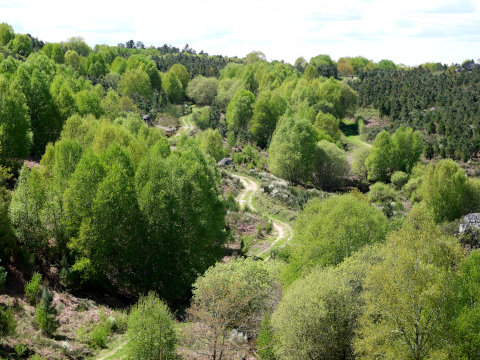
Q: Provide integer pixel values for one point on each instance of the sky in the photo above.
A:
(409, 32)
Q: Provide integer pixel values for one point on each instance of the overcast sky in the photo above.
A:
(409, 31)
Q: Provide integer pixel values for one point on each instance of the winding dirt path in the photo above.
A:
(281, 229)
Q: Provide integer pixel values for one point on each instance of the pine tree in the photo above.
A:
(47, 314)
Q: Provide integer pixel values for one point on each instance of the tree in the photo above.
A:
(255, 56)
(141, 62)
(379, 160)
(46, 313)
(231, 298)
(240, 111)
(329, 124)
(136, 85)
(151, 331)
(72, 59)
(268, 109)
(211, 142)
(226, 89)
(331, 166)
(119, 65)
(293, 149)
(407, 148)
(95, 66)
(316, 318)
(405, 293)
(359, 158)
(89, 102)
(173, 87)
(328, 231)
(22, 45)
(447, 191)
(78, 45)
(182, 75)
(6, 34)
(203, 90)
(15, 135)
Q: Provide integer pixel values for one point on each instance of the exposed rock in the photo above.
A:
(472, 219)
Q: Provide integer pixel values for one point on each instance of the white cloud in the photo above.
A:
(410, 31)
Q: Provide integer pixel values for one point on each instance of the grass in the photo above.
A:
(350, 130)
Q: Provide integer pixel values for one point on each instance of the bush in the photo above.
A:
(98, 336)
(33, 288)
(151, 330)
(46, 313)
(399, 179)
(7, 322)
(331, 166)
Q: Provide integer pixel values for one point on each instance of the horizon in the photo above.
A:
(434, 31)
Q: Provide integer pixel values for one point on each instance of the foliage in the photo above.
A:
(268, 109)
(201, 117)
(33, 288)
(399, 179)
(173, 87)
(240, 111)
(46, 314)
(151, 330)
(293, 149)
(405, 293)
(328, 231)
(232, 297)
(7, 322)
(3, 278)
(448, 192)
(359, 158)
(331, 166)
(211, 142)
(203, 90)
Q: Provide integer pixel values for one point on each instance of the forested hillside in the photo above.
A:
(156, 203)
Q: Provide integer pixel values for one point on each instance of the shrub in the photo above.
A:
(33, 288)
(7, 322)
(399, 179)
(98, 336)
(46, 313)
(151, 333)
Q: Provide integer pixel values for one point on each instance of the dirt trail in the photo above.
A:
(112, 351)
(281, 229)
(187, 125)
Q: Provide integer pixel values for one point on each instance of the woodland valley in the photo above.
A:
(164, 203)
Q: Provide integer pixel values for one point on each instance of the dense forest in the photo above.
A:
(159, 203)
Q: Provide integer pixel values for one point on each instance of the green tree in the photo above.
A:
(46, 314)
(22, 45)
(203, 90)
(359, 158)
(72, 59)
(15, 135)
(95, 66)
(151, 331)
(240, 111)
(379, 160)
(407, 148)
(328, 231)
(445, 190)
(406, 293)
(331, 166)
(6, 34)
(119, 65)
(141, 62)
(268, 109)
(211, 142)
(232, 296)
(182, 75)
(293, 149)
(136, 85)
(329, 124)
(226, 89)
(173, 87)
(89, 102)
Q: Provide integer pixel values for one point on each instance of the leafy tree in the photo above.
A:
(331, 166)
(329, 124)
(406, 293)
(119, 65)
(54, 51)
(136, 85)
(226, 89)
(240, 111)
(359, 159)
(6, 34)
(15, 135)
(447, 191)
(33, 288)
(95, 66)
(399, 179)
(293, 149)
(78, 45)
(407, 148)
(182, 75)
(173, 87)
(203, 90)
(211, 142)
(22, 45)
(46, 313)
(72, 59)
(151, 331)
(7, 237)
(328, 231)
(379, 160)
(386, 65)
(316, 318)
(201, 117)
(310, 72)
(228, 297)
(300, 64)
(89, 102)
(267, 110)
(141, 62)
(254, 57)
